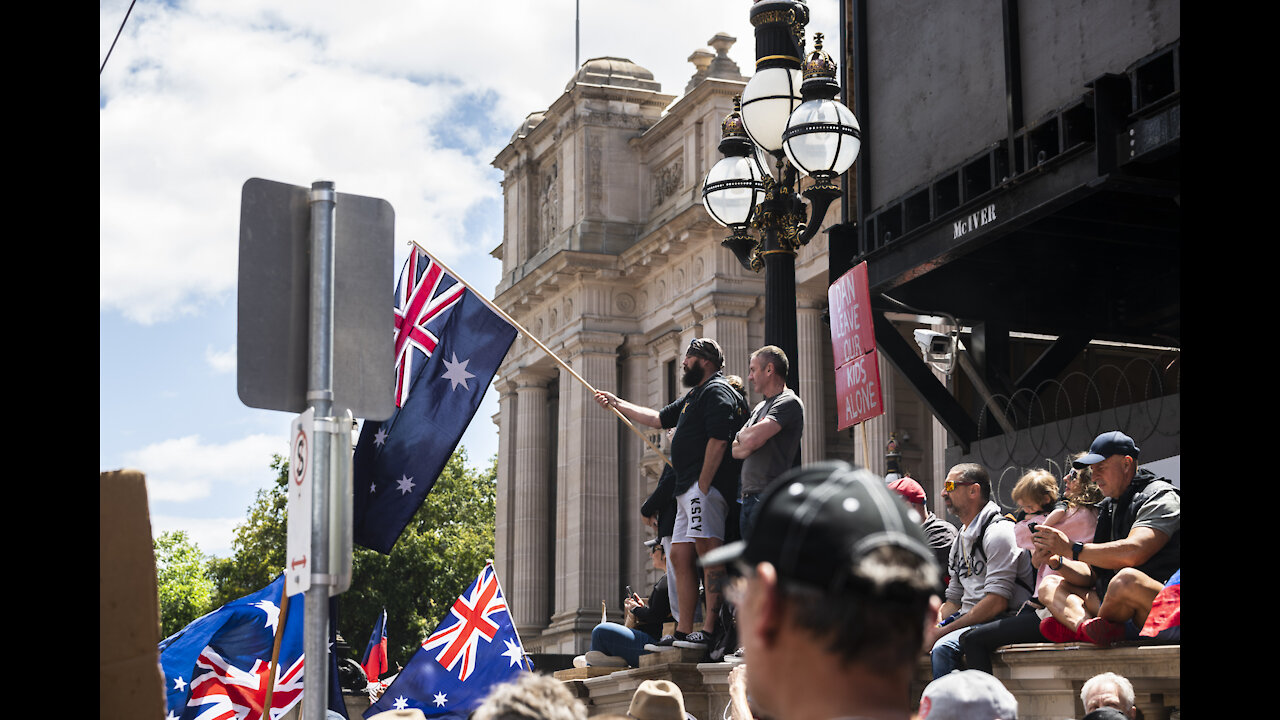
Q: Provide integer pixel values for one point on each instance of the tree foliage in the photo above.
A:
(440, 552)
(258, 548)
(185, 591)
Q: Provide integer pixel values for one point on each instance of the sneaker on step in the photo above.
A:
(1100, 632)
(595, 658)
(696, 640)
(580, 661)
(665, 643)
(735, 657)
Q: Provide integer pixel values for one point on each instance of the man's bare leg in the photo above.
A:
(1129, 597)
(684, 560)
(713, 581)
(1070, 605)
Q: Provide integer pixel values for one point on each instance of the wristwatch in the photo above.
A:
(1076, 547)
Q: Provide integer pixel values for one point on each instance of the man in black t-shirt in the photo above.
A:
(705, 420)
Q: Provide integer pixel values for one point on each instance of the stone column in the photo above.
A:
(814, 342)
(530, 587)
(503, 524)
(587, 537)
(724, 319)
(632, 450)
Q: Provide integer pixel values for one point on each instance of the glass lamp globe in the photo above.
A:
(822, 138)
(768, 100)
(732, 190)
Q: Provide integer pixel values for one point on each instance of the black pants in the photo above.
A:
(980, 643)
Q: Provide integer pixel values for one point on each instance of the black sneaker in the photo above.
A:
(665, 643)
(696, 640)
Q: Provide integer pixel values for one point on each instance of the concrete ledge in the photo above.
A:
(612, 693)
(1045, 677)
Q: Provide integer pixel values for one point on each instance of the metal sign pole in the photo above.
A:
(323, 200)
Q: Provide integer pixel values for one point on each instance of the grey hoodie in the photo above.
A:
(972, 578)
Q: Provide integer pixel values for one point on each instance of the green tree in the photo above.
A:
(185, 590)
(259, 545)
(440, 552)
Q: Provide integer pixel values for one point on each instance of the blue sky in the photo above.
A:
(402, 100)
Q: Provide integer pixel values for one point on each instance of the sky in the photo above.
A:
(407, 101)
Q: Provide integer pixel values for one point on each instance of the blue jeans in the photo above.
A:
(620, 641)
(946, 654)
(747, 516)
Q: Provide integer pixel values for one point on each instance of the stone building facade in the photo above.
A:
(610, 260)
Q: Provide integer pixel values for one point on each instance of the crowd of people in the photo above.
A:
(828, 583)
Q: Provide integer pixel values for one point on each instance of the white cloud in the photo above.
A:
(212, 535)
(401, 100)
(186, 469)
(221, 362)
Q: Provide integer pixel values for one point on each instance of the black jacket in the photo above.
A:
(1116, 518)
(662, 502)
(649, 619)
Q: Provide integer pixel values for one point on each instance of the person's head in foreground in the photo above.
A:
(833, 590)
(1108, 690)
(530, 697)
(967, 695)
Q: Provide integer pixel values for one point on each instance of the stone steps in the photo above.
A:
(1045, 677)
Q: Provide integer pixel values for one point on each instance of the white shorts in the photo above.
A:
(699, 515)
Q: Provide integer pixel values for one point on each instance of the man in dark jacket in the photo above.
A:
(1106, 587)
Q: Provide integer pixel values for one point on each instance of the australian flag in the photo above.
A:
(448, 344)
(218, 666)
(473, 649)
(374, 661)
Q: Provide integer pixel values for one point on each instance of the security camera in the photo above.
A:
(938, 349)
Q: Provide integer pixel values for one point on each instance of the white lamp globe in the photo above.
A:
(732, 190)
(822, 138)
(769, 98)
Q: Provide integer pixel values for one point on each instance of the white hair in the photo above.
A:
(1124, 688)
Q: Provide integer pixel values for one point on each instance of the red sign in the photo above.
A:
(849, 300)
(858, 391)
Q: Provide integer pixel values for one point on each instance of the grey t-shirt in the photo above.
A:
(778, 452)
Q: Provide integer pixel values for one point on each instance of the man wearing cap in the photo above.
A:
(833, 589)
(939, 533)
(967, 695)
(1106, 587)
(993, 576)
(767, 444)
(705, 420)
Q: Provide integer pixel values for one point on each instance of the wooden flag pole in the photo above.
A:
(489, 563)
(520, 328)
(275, 651)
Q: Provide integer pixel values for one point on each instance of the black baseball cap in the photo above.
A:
(1106, 445)
(815, 522)
(706, 348)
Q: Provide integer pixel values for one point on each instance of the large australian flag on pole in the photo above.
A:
(474, 648)
(448, 344)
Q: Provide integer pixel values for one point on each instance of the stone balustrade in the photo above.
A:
(1045, 677)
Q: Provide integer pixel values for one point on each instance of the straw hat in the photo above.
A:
(658, 700)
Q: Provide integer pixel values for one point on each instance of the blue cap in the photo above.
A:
(1106, 445)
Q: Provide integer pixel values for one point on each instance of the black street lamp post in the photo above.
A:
(787, 111)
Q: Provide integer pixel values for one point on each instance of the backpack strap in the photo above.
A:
(983, 549)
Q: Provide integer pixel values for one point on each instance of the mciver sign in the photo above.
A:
(973, 221)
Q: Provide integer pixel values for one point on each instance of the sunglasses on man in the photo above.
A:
(950, 485)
